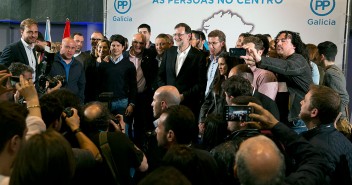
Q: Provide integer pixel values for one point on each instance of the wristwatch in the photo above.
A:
(132, 104)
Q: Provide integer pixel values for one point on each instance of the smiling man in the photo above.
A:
(146, 68)
(22, 51)
(119, 70)
(183, 66)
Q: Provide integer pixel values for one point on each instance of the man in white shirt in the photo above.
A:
(23, 50)
(183, 66)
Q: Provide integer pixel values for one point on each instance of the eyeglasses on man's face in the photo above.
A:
(213, 43)
(136, 42)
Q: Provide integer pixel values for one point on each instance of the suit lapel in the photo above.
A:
(187, 62)
(23, 52)
(174, 59)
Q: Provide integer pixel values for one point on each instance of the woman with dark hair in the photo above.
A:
(103, 48)
(45, 158)
(215, 100)
(92, 72)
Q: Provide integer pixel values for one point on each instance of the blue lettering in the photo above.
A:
(321, 22)
(122, 19)
(121, 4)
(322, 4)
(158, 1)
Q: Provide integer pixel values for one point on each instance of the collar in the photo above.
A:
(117, 60)
(243, 134)
(318, 129)
(76, 54)
(64, 62)
(212, 58)
(26, 44)
(329, 66)
(155, 122)
(253, 68)
(185, 51)
(133, 55)
(253, 90)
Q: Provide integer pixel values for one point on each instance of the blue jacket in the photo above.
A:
(76, 78)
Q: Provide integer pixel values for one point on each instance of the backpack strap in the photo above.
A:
(106, 151)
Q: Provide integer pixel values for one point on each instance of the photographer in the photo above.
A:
(55, 115)
(34, 120)
(6, 90)
(16, 70)
(66, 66)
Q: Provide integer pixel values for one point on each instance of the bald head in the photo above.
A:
(96, 116)
(169, 94)
(93, 111)
(259, 160)
(242, 70)
(164, 97)
(138, 44)
(68, 48)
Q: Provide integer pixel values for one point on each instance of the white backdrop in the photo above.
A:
(315, 20)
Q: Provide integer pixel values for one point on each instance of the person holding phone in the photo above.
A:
(292, 67)
(240, 125)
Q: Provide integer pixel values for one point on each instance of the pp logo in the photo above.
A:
(322, 7)
(122, 6)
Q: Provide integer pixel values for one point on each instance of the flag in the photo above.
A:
(47, 36)
(67, 29)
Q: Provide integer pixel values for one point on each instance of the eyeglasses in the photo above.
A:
(178, 34)
(136, 42)
(213, 43)
(94, 39)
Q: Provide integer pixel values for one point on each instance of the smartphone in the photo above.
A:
(14, 80)
(238, 113)
(237, 52)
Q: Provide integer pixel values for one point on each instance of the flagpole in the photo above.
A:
(47, 35)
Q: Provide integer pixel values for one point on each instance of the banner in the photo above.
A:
(315, 20)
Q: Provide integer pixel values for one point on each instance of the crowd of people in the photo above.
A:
(155, 113)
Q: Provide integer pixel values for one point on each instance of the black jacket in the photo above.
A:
(336, 148)
(297, 74)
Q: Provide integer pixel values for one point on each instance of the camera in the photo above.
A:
(238, 113)
(68, 111)
(237, 52)
(44, 69)
(53, 81)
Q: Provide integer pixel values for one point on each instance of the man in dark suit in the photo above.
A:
(80, 56)
(183, 66)
(22, 51)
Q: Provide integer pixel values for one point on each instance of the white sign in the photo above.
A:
(315, 20)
